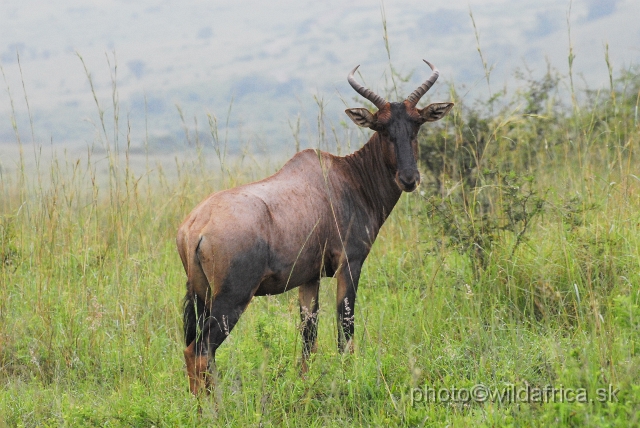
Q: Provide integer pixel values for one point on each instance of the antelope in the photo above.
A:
(317, 216)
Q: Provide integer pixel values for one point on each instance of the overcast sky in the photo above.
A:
(272, 57)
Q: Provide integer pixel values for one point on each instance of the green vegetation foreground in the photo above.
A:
(505, 291)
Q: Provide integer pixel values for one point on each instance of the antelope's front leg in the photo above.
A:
(308, 299)
(348, 277)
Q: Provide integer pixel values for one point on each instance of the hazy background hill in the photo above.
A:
(272, 59)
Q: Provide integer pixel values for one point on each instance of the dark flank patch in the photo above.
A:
(246, 270)
(278, 281)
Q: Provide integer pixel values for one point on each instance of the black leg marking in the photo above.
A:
(346, 296)
(308, 299)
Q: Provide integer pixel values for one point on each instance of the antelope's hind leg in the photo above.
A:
(308, 299)
(225, 312)
(229, 302)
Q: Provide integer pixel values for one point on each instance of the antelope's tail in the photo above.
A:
(193, 316)
(194, 311)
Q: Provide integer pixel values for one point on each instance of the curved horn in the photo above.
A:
(422, 89)
(376, 99)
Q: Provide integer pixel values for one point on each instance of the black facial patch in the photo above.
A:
(402, 130)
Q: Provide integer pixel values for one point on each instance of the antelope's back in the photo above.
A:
(288, 214)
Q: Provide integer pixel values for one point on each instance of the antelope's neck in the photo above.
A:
(376, 181)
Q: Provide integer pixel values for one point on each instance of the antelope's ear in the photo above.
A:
(435, 111)
(361, 117)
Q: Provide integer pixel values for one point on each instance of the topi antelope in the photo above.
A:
(318, 216)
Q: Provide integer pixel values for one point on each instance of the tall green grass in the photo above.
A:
(517, 262)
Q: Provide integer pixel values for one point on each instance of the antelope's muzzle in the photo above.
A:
(408, 181)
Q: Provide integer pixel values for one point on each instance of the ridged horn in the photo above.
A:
(376, 99)
(422, 89)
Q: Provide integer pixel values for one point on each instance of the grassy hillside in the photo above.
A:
(515, 267)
